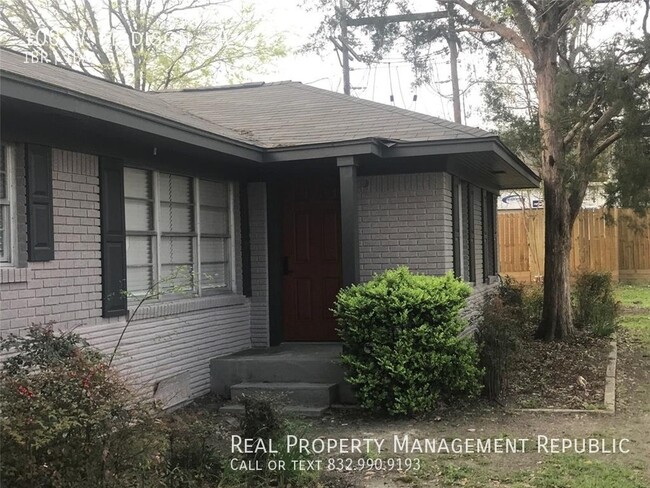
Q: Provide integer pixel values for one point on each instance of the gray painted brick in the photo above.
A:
(414, 204)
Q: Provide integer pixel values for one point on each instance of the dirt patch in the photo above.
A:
(559, 374)
(484, 420)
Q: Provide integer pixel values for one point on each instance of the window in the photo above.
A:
(7, 205)
(178, 234)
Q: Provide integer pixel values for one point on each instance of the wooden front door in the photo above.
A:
(312, 259)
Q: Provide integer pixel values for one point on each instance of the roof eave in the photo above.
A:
(323, 150)
(405, 149)
(33, 91)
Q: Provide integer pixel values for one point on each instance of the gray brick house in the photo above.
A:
(272, 195)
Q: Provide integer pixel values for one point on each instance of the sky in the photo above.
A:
(392, 76)
(375, 82)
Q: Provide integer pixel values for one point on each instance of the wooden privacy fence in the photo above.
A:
(622, 248)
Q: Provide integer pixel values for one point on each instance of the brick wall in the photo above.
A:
(472, 312)
(405, 220)
(66, 290)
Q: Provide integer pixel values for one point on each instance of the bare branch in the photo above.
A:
(608, 141)
(605, 119)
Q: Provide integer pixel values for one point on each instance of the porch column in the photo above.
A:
(349, 219)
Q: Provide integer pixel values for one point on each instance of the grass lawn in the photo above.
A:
(565, 471)
(635, 302)
(634, 296)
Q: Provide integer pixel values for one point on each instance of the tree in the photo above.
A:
(148, 44)
(589, 102)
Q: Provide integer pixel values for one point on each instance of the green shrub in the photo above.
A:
(523, 301)
(400, 334)
(192, 456)
(595, 305)
(498, 334)
(68, 420)
(511, 292)
(263, 420)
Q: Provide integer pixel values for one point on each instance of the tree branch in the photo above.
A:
(608, 141)
(605, 119)
(502, 30)
(523, 21)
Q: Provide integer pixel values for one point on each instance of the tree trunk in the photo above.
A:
(556, 321)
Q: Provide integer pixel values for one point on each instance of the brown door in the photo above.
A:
(312, 259)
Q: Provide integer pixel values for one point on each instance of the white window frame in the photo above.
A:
(12, 238)
(157, 235)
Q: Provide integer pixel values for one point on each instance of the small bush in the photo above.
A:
(497, 334)
(511, 292)
(192, 456)
(402, 350)
(67, 419)
(595, 305)
(524, 301)
(263, 420)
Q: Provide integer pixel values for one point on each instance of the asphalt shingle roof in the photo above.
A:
(292, 114)
(115, 94)
(266, 115)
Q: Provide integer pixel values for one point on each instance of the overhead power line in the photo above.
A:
(347, 54)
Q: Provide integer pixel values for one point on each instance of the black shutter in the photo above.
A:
(495, 235)
(487, 260)
(471, 233)
(40, 220)
(245, 239)
(489, 234)
(455, 220)
(111, 201)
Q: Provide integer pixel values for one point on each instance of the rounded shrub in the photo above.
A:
(402, 348)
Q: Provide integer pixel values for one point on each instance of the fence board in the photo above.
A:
(622, 249)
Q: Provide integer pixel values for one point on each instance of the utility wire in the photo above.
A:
(399, 86)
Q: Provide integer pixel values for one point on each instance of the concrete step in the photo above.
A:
(299, 393)
(292, 410)
(284, 367)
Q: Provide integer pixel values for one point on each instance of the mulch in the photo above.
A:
(549, 374)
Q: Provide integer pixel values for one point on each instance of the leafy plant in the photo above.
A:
(595, 305)
(192, 457)
(68, 419)
(263, 421)
(401, 339)
(523, 301)
(497, 334)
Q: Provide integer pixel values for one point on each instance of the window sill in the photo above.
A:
(166, 308)
(10, 274)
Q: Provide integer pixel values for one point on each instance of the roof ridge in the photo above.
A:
(235, 86)
(409, 113)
